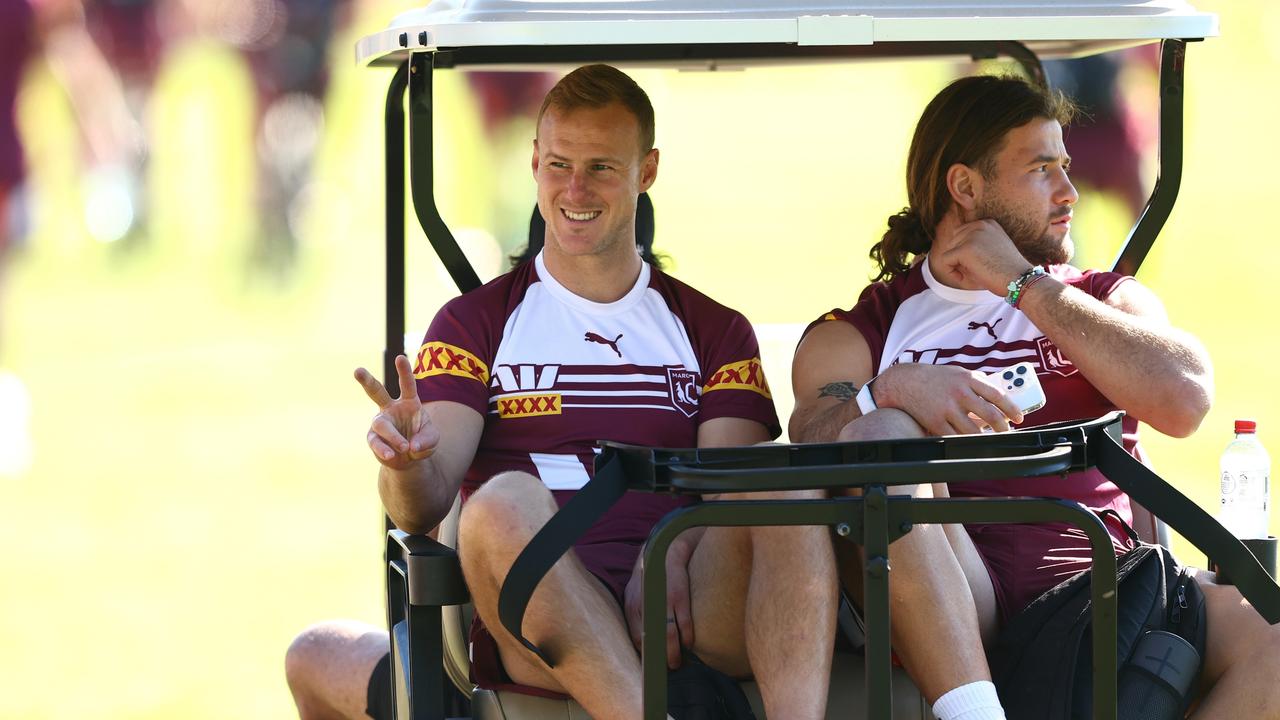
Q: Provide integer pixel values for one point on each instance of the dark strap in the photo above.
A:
(1110, 514)
(1192, 522)
(553, 541)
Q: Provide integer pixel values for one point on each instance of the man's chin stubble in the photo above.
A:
(1046, 251)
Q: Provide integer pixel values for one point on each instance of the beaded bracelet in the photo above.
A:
(1023, 292)
(1019, 285)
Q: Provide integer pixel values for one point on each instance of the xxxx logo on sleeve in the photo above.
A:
(437, 358)
(528, 406)
(741, 375)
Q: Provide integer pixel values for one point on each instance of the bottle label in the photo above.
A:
(1228, 485)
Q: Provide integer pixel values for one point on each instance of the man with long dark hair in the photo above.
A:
(973, 278)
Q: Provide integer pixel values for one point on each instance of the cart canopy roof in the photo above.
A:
(698, 33)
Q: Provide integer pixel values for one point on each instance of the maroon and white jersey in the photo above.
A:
(553, 373)
(917, 319)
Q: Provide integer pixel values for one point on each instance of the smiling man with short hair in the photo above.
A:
(515, 383)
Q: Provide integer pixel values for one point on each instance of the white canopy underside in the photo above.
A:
(1051, 28)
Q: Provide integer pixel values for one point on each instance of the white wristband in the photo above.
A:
(866, 403)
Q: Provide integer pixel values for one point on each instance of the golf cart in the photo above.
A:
(424, 579)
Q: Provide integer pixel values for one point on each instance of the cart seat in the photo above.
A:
(845, 700)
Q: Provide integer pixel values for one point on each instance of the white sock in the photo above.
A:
(975, 701)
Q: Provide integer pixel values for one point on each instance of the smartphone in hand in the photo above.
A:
(1022, 386)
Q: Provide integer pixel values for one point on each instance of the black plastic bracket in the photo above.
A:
(422, 576)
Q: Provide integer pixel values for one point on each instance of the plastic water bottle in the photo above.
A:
(1246, 484)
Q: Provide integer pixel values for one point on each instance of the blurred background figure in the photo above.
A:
(109, 54)
(1117, 130)
(285, 44)
(131, 44)
(112, 146)
(17, 38)
(113, 140)
(508, 104)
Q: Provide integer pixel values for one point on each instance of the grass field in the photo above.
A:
(198, 488)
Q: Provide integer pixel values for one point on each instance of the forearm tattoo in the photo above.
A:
(842, 391)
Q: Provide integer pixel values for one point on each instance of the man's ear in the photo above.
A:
(964, 185)
(648, 169)
(535, 158)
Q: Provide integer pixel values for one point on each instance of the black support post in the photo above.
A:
(1025, 57)
(875, 579)
(883, 519)
(720, 513)
(393, 163)
(422, 174)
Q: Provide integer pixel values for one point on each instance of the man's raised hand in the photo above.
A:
(401, 433)
(980, 255)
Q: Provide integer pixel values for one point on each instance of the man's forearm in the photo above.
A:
(1151, 370)
(418, 497)
(825, 425)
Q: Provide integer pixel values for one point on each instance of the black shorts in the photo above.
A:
(378, 698)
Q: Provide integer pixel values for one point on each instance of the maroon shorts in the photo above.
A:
(1023, 561)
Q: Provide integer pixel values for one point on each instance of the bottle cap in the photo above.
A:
(1246, 426)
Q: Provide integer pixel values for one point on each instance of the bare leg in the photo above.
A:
(1242, 660)
(328, 668)
(941, 596)
(571, 615)
(764, 604)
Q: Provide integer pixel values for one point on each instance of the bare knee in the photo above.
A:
(514, 504)
(882, 424)
(328, 665)
(305, 654)
(808, 542)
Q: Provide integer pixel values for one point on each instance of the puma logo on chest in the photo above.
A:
(989, 327)
(593, 337)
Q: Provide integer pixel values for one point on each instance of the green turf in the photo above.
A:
(200, 489)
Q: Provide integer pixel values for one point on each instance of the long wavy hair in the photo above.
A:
(966, 123)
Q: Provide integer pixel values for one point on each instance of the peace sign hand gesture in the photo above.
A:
(401, 434)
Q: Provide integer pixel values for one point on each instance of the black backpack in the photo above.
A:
(1041, 662)
(697, 691)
